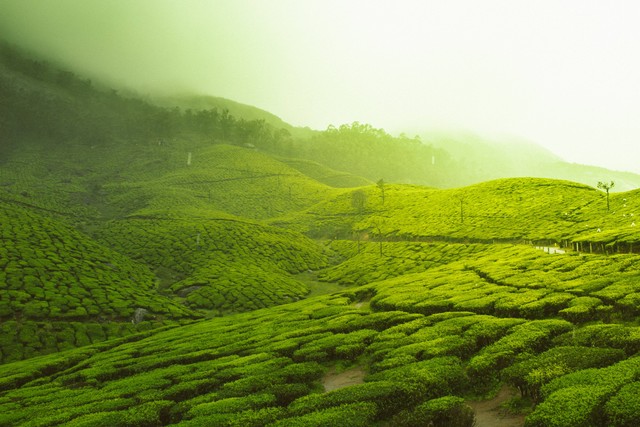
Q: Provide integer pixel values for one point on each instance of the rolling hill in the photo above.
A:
(165, 268)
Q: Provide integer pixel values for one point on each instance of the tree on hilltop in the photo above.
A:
(606, 187)
(380, 185)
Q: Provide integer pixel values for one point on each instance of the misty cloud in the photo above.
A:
(563, 74)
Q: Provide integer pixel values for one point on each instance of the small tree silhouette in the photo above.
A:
(359, 200)
(377, 225)
(606, 187)
(380, 185)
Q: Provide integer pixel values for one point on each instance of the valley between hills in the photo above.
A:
(177, 266)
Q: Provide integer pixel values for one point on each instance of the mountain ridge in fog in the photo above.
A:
(446, 159)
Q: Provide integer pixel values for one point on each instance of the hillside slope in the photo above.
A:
(518, 210)
(168, 259)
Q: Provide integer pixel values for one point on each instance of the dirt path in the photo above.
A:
(334, 380)
(490, 414)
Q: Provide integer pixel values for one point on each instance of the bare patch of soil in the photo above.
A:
(489, 413)
(334, 380)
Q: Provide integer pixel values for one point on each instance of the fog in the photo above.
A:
(561, 74)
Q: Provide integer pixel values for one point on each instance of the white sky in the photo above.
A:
(564, 74)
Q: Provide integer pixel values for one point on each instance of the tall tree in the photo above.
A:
(606, 187)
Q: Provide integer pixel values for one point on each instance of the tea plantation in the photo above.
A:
(437, 310)
(168, 267)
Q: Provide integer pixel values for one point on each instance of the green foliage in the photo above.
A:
(623, 409)
(579, 398)
(531, 374)
(447, 411)
(576, 406)
(529, 337)
(348, 415)
(426, 379)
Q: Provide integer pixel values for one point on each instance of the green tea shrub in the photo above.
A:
(302, 372)
(575, 406)
(361, 414)
(146, 414)
(287, 392)
(249, 418)
(426, 379)
(581, 309)
(533, 336)
(531, 374)
(629, 305)
(447, 411)
(579, 398)
(623, 409)
(233, 404)
(335, 345)
(623, 337)
(610, 377)
(377, 321)
(487, 330)
(548, 306)
(388, 396)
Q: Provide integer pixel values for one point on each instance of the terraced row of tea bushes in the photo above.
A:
(265, 367)
(39, 179)
(530, 374)
(520, 209)
(326, 175)
(460, 334)
(235, 180)
(506, 209)
(519, 281)
(605, 335)
(602, 285)
(615, 230)
(364, 264)
(224, 265)
(50, 271)
(186, 245)
(227, 285)
(591, 397)
(26, 339)
(334, 217)
(253, 367)
(72, 178)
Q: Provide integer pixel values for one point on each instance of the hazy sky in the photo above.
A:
(562, 73)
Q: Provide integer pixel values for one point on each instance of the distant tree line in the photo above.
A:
(40, 100)
(370, 152)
